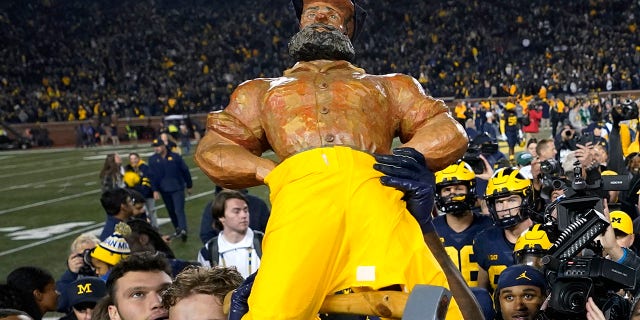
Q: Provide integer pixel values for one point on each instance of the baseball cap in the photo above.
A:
(524, 159)
(521, 275)
(115, 247)
(86, 290)
(157, 143)
(621, 221)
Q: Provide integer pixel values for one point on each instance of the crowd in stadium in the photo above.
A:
(497, 213)
(97, 58)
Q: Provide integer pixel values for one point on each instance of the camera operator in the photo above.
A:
(546, 149)
(565, 141)
(484, 156)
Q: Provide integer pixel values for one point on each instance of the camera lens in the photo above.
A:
(549, 166)
(576, 300)
(558, 184)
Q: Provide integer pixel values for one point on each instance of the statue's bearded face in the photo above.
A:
(319, 41)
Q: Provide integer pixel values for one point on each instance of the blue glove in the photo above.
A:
(239, 298)
(406, 170)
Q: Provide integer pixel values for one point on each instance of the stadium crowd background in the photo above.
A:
(77, 60)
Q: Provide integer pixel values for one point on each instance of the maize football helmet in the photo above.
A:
(506, 182)
(456, 174)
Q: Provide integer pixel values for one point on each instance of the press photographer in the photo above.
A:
(621, 157)
(574, 218)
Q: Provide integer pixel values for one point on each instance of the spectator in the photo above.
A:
(138, 177)
(169, 177)
(179, 78)
(111, 173)
(200, 291)
(84, 294)
(184, 135)
(13, 314)
(13, 303)
(623, 228)
(118, 206)
(37, 288)
(490, 127)
(111, 250)
(236, 245)
(78, 265)
(535, 116)
(144, 237)
(532, 144)
(145, 274)
(258, 216)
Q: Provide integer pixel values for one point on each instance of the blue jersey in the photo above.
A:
(459, 245)
(494, 253)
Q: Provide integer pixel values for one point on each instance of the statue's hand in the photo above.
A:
(406, 170)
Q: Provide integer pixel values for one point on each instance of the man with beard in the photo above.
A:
(333, 225)
(455, 196)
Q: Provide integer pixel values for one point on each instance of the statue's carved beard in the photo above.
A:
(330, 44)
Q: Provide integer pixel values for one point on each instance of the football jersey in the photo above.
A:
(493, 252)
(459, 245)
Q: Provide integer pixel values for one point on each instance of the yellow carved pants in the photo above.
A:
(334, 226)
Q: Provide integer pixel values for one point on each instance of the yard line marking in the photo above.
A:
(45, 202)
(27, 172)
(44, 182)
(60, 236)
(87, 228)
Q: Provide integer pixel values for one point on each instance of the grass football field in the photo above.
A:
(50, 196)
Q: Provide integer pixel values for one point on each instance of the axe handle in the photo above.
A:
(467, 302)
(388, 304)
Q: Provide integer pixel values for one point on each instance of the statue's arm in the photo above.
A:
(230, 151)
(426, 124)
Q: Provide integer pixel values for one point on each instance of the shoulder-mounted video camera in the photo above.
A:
(574, 279)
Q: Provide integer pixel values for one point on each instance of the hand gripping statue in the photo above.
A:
(333, 225)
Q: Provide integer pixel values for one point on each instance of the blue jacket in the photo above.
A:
(109, 227)
(169, 174)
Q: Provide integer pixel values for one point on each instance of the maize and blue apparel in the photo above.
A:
(459, 245)
(493, 252)
(170, 176)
